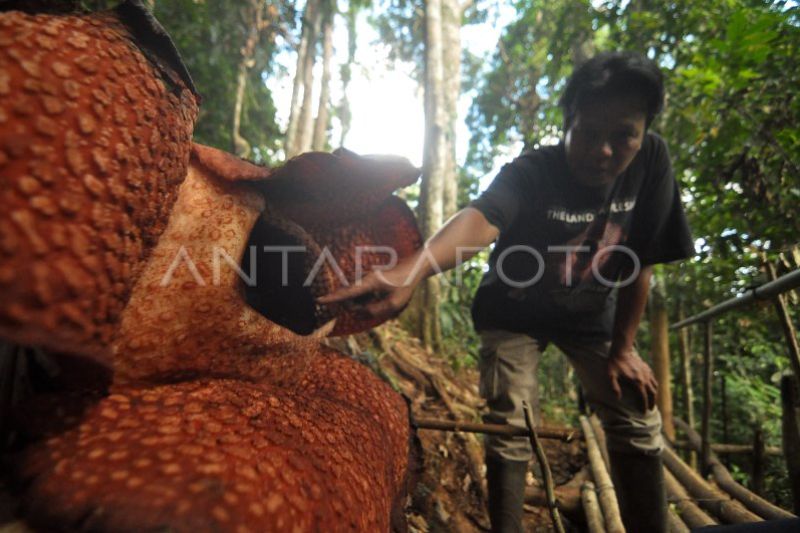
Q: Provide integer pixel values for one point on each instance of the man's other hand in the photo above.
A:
(627, 364)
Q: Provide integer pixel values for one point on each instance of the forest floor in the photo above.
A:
(450, 493)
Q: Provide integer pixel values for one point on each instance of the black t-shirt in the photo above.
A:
(563, 246)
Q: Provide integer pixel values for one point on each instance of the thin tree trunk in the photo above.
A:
(708, 371)
(686, 378)
(790, 430)
(240, 145)
(305, 126)
(723, 390)
(659, 335)
(323, 110)
(345, 113)
(307, 40)
(451, 39)
(434, 160)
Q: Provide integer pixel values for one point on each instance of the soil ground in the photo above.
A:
(450, 492)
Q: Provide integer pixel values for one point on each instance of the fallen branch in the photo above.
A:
(752, 501)
(605, 489)
(675, 524)
(565, 434)
(594, 518)
(568, 499)
(710, 498)
(687, 508)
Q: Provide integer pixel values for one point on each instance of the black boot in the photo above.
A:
(639, 483)
(506, 482)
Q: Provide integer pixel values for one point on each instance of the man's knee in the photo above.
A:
(508, 448)
(638, 433)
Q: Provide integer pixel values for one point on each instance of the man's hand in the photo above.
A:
(627, 364)
(381, 294)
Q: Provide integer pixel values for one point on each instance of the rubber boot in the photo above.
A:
(506, 483)
(639, 483)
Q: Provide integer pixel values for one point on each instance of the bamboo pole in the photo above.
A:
(675, 524)
(724, 479)
(564, 434)
(688, 509)
(548, 476)
(600, 435)
(594, 518)
(711, 499)
(723, 393)
(686, 377)
(605, 489)
(659, 347)
(708, 362)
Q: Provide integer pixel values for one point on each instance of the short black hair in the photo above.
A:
(614, 74)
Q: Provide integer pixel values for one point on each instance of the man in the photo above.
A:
(577, 227)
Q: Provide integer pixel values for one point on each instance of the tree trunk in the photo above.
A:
(686, 378)
(790, 403)
(305, 125)
(708, 372)
(659, 335)
(451, 37)
(255, 15)
(307, 41)
(433, 167)
(345, 113)
(323, 109)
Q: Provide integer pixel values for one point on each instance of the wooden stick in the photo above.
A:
(594, 518)
(752, 501)
(565, 434)
(710, 498)
(548, 476)
(708, 363)
(688, 509)
(605, 489)
(720, 448)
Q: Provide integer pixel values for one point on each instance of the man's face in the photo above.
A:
(603, 139)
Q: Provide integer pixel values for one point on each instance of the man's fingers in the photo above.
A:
(383, 309)
(347, 293)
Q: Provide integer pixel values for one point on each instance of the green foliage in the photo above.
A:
(731, 123)
(209, 36)
(461, 343)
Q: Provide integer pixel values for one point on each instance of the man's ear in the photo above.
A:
(228, 166)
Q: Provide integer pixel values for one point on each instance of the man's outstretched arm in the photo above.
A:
(464, 235)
